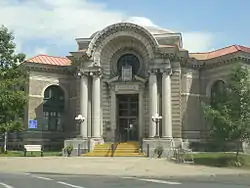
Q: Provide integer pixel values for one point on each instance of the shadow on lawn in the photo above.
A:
(221, 159)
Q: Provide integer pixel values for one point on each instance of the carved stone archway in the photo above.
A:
(137, 32)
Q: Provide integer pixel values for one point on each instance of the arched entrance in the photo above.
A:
(127, 44)
(127, 103)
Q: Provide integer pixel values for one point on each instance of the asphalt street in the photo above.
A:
(38, 180)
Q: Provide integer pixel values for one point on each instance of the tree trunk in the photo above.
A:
(237, 161)
(5, 141)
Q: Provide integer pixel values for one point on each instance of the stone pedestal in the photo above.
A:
(85, 145)
(167, 144)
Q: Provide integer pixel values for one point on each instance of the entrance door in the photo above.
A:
(127, 122)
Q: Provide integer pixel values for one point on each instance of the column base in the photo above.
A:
(156, 137)
(150, 138)
(81, 137)
(97, 140)
(96, 137)
(167, 137)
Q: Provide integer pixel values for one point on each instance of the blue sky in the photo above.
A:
(226, 19)
(46, 26)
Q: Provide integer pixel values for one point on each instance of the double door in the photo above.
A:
(127, 122)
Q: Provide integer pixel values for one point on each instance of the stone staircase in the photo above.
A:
(123, 149)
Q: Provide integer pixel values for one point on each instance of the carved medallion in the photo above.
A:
(127, 73)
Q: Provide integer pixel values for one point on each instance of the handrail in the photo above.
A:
(114, 145)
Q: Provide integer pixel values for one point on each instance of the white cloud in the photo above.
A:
(39, 50)
(59, 22)
(197, 41)
(141, 21)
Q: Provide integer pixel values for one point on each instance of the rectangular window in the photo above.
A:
(46, 121)
(59, 123)
(52, 121)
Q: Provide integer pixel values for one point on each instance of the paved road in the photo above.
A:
(122, 166)
(21, 180)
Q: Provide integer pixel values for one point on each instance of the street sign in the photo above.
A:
(32, 124)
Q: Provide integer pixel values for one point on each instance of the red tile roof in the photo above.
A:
(49, 60)
(220, 52)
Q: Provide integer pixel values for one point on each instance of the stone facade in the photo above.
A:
(169, 81)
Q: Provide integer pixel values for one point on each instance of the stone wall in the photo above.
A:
(196, 88)
(176, 100)
(191, 108)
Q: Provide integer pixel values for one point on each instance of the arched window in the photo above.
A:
(53, 107)
(128, 60)
(217, 93)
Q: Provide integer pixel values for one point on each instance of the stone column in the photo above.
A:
(113, 112)
(141, 113)
(153, 104)
(84, 105)
(166, 105)
(96, 105)
(90, 108)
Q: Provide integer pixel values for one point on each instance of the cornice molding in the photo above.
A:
(216, 62)
(49, 68)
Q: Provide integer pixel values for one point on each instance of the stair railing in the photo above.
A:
(117, 140)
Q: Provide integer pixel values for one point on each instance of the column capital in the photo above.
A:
(96, 73)
(153, 71)
(81, 73)
(167, 71)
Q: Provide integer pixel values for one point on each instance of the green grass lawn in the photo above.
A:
(221, 159)
(34, 154)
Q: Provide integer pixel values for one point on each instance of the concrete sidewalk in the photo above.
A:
(130, 166)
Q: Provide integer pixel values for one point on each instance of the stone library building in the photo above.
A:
(128, 82)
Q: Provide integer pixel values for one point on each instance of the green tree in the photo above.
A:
(229, 111)
(13, 77)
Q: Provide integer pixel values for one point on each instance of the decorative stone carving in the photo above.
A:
(166, 55)
(117, 30)
(110, 30)
(127, 73)
(126, 87)
(80, 60)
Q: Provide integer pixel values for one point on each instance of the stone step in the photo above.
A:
(123, 149)
(109, 154)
